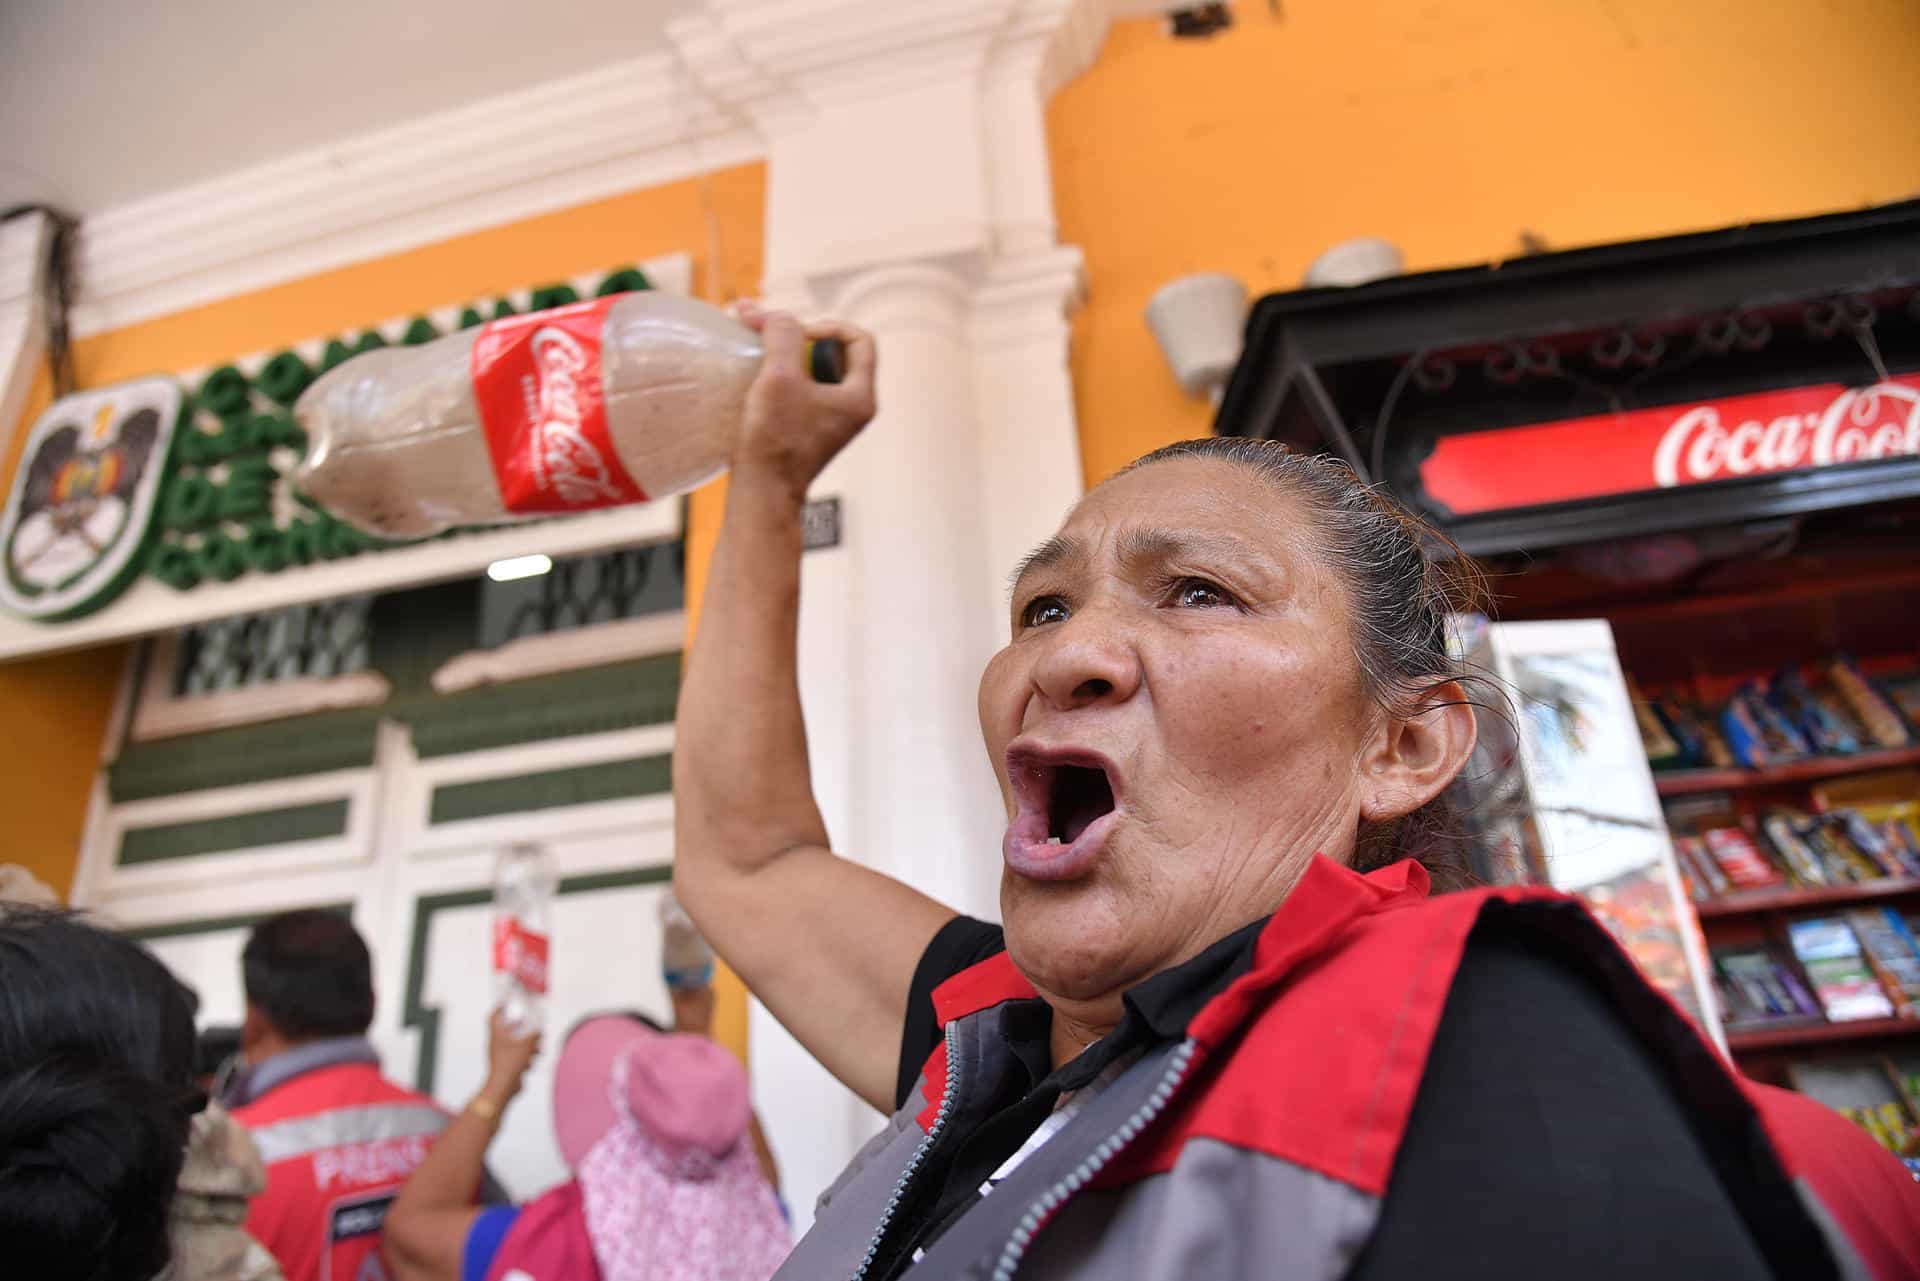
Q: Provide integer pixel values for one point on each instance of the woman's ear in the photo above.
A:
(1412, 759)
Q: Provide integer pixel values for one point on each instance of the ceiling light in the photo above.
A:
(505, 571)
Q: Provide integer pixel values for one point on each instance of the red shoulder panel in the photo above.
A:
(1859, 1183)
(979, 986)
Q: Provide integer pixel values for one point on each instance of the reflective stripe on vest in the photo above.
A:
(305, 1135)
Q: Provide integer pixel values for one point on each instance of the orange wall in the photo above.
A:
(1449, 128)
(55, 710)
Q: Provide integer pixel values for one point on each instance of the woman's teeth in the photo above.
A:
(1053, 840)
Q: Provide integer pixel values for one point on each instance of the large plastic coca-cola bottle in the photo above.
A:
(595, 404)
(524, 883)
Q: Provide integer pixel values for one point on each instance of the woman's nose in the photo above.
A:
(1088, 661)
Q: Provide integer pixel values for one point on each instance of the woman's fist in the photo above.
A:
(794, 426)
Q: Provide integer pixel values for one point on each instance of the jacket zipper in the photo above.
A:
(1081, 1175)
(947, 1094)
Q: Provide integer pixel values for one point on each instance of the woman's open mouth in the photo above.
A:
(1066, 806)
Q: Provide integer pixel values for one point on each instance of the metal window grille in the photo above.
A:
(330, 638)
(613, 585)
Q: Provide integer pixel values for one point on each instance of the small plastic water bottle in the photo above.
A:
(524, 883)
(686, 961)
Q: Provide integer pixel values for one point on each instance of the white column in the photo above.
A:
(909, 192)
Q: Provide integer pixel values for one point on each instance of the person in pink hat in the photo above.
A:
(667, 1184)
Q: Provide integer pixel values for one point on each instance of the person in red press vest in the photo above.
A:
(337, 1137)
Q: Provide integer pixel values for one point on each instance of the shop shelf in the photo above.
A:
(1687, 782)
(1753, 902)
(1769, 1038)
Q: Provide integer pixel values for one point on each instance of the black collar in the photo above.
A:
(1157, 1011)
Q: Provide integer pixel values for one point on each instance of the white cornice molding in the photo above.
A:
(23, 251)
(621, 128)
(741, 68)
(23, 256)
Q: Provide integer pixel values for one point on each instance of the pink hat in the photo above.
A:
(686, 1093)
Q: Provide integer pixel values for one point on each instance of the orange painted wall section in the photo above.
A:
(55, 710)
(1448, 129)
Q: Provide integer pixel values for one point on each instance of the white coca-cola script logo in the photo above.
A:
(1881, 421)
(564, 460)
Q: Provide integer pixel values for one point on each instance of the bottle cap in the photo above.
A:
(827, 360)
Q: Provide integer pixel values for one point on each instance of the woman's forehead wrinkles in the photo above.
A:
(1055, 552)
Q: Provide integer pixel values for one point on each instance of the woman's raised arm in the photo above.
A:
(827, 945)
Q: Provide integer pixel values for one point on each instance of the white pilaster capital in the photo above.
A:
(909, 296)
(1028, 296)
(897, 131)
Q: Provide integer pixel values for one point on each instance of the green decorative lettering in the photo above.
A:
(225, 392)
(470, 318)
(249, 489)
(173, 565)
(338, 540)
(548, 297)
(337, 353)
(369, 341)
(189, 502)
(626, 280)
(266, 549)
(219, 557)
(190, 446)
(285, 377)
(287, 431)
(419, 332)
(301, 541)
(503, 309)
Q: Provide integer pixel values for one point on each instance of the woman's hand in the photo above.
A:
(509, 1055)
(794, 426)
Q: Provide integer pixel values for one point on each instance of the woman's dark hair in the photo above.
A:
(1399, 594)
(310, 973)
(96, 1091)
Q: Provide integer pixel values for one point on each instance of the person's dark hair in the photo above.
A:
(96, 1092)
(1399, 594)
(310, 974)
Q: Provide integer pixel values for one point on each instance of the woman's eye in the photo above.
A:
(1042, 610)
(1198, 593)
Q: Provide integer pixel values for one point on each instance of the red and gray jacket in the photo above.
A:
(338, 1140)
(1234, 1139)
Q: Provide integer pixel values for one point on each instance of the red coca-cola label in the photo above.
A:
(1795, 429)
(536, 379)
(520, 952)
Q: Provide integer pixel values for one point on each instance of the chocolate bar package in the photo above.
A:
(1892, 954)
(1883, 724)
(1782, 831)
(1741, 858)
(1701, 742)
(1837, 967)
(1822, 731)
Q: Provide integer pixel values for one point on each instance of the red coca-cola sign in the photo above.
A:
(1795, 429)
